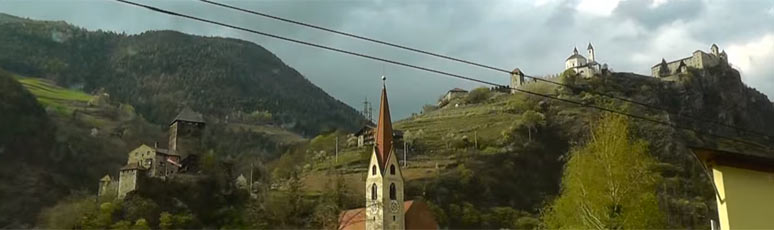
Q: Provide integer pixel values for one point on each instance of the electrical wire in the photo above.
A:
(479, 65)
(437, 72)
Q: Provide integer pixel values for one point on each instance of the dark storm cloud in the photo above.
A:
(653, 17)
(535, 36)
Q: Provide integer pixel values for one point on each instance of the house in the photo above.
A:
(744, 184)
(455, 93)
(365, 136)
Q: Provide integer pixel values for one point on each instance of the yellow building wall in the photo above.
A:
(746, 198)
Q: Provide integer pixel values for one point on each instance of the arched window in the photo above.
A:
(373, 192)
(373, 170)
(392, 191)
(392, 169)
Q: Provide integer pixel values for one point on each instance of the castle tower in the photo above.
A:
(185, 133)
(591, 53)
(517, 79)
(714, 49)
(384, 184)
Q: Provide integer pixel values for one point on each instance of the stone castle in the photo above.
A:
(698, 60)
(185, 133)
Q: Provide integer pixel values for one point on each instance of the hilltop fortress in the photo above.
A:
(185, 133)
(698, 60)
(588, 66)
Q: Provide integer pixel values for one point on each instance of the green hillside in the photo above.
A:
(496, 162)
(53, 96)
(26, 143)
(159, 72)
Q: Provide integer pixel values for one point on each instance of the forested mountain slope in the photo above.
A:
(159, 72)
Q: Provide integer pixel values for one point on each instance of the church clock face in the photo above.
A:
(394, 206)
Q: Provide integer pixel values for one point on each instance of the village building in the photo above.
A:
(385, 207)
(698, 60)
(455, 93)
(365, 136)
(185, 134)
(586, 67)
(744, 186)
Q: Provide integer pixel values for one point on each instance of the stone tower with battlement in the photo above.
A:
(185, 133)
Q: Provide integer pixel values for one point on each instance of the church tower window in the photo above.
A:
(392, 169)
(373, 192)
(373, 170)
(392, 191)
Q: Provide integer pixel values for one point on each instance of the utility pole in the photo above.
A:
(251, 177)
(475, 138)
(337, 149)
(405, 149)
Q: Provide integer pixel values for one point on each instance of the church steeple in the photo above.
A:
(383, 134)
(384, 183)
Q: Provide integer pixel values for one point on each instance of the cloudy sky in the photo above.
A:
(535, 36)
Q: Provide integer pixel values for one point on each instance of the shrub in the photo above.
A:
(478, 95)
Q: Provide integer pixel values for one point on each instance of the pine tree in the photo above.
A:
(608, 183)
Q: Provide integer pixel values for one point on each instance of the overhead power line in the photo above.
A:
(296, 22)
(437, 72)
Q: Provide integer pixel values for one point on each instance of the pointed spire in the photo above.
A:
(575, 50)
(383, 135)
(590, 47)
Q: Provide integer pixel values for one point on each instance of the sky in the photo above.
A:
(534, 36)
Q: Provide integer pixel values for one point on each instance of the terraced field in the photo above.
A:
(54, 97)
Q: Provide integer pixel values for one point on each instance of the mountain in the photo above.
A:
(26, 143)
(159, 72)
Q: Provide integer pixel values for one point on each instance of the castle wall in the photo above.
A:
(127, 182)
(108, 188)
(698, 60)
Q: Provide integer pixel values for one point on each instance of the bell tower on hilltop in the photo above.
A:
(384, 184)
(185, 133)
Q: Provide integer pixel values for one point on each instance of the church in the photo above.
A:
(586, 67)
(385, 207)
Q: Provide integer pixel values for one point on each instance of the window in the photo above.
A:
(373, 170)
(392, 191)
(392, 169)
(393, 218)
(373, 192)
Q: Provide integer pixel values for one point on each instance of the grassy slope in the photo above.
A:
(685, 192)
